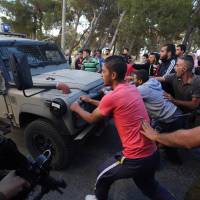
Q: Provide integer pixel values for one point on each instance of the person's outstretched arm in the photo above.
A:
(88, 117)
(87, 99)
(181, 138)
(160, 78)
(11, 185)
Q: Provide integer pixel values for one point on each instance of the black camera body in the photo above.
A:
(36, 172)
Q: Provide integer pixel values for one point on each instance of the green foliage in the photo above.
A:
(31, 16)
(147, 23)
(156, 21)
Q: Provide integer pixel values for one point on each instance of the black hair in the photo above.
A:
(189, 62)
(118, 65)
(183, 47)
(146, 55)
(99, 50)
(157, 56)
(127, 49)
(171, 48)
(87, 50)
(80, 50)
(142, 75)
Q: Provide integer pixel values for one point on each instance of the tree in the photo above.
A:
(31, 16)
(193, 25)
(120, 23)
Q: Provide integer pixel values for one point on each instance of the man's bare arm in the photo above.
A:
(193, 104)
(89, 100)
(161, 79)
(88, 117)
(182, 138)
(94, 102)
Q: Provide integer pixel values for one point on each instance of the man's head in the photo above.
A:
(67, 52)
(140, 77)
(107, 52)
(86, 53)
(184, 65)
(98, 53)
(153, 58)
(114, 70)
(145, 57)
(180, 50)
(93, 53)
(125, 51)
(167, 51)
(80, 53)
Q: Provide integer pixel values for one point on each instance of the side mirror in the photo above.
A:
(21, 71)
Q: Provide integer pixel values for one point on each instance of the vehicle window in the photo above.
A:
(4, 56)
(51, 53)
(33, 54)
(37, 56)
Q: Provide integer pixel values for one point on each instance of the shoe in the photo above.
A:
(90, 197)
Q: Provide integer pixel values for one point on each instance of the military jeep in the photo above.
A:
(29, 99)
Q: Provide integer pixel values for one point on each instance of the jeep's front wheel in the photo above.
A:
(40, 135)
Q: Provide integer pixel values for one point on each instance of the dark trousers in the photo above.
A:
(171, 153)
(162, 127)
(194, 191)
(141, 170)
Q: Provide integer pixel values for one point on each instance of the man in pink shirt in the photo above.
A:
(139, 158)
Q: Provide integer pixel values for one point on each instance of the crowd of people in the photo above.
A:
(147, 101)
(157, 64)
(90, 60)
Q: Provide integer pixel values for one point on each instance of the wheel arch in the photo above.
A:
(26, 118)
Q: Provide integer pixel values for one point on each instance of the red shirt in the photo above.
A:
(130, 70)
(126, 106)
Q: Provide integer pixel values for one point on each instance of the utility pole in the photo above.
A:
(63, 24)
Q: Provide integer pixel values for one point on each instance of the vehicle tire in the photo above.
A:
(41, 135)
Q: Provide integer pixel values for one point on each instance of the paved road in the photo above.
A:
(80, 176)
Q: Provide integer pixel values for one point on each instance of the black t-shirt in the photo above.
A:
(144, 66)
(78, 62)
(127, 58)
(184, 92)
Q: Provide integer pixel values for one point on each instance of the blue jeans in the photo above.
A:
(141, 170)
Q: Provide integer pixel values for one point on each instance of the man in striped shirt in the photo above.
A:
(168, 59)
(167, 56)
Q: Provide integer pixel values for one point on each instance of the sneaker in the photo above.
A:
(90, 197)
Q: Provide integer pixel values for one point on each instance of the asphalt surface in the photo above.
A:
(80, 175)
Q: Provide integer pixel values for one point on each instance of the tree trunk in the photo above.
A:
(93, 26)
(34, 30)
(117, 29)
(191, 26)
(105, 38)
(103, 42)
(188, 34)
(114, 47)
(78, 42)
(131, 46)
(75, 35)
(190, 41)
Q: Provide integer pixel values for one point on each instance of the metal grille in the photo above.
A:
(32, 52)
